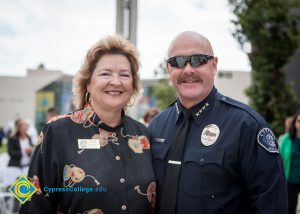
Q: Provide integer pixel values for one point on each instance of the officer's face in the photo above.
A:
(193, 84)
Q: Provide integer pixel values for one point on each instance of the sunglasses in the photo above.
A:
(194, 60)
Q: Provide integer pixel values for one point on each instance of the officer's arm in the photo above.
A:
(262, 170)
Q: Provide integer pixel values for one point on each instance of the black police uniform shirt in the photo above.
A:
(95, 168)
(230, 163)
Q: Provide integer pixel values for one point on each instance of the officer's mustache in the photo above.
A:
(191, 77)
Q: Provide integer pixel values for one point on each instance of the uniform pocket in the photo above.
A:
(203, 172)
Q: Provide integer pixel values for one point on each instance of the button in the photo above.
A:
(118, 158)
(202, 160)
(123, 207)
(122, 180)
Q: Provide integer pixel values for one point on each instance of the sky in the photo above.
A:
(58, 33)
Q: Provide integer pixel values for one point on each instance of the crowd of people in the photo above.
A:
(205, 153)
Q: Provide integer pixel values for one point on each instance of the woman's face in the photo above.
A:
(23, 126)
(110, 86)
(297, 124)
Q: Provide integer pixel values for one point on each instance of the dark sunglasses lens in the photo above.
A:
(181, 61)
(196, 61)
(172, 62)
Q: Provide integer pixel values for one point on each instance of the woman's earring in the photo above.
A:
(87, 97)
(132, 102)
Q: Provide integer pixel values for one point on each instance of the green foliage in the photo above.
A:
(268, 31)
(164, 92)
(3, 148)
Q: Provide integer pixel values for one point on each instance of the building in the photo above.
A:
(233, 84)
(18, 94)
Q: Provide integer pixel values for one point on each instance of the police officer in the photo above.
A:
(227, 160)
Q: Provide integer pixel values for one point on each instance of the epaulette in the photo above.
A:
(242, 106)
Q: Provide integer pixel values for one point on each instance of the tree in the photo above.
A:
(164, 92)
(269, 30)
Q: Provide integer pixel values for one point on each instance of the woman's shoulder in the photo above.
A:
(63, 118)
(13, 139)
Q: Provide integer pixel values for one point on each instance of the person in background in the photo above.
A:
(149, 115)
(20, 145)
(287, 124)
(97, 149)
(51, 113)
(212, 154)
(290, 152)
(2, 135)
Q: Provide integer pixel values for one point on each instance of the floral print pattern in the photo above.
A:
(73, 174)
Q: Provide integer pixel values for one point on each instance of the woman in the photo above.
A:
(98, 157)
(20, 145)
(290, 152)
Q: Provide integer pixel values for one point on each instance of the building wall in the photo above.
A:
(17, 94)
(233, 84)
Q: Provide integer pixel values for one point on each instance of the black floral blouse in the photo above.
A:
(82, 165)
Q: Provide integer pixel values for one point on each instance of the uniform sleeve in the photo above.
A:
(43, 173)
(262, 170)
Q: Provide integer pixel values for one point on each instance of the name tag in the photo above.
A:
(159, 140)
(88, 144)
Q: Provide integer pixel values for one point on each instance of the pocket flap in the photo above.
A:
(205, 157)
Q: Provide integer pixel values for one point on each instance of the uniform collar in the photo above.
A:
(197, 110)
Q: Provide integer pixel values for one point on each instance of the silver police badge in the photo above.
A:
(267, 140)
(210, 134)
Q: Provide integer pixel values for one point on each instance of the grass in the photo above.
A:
(3, 148)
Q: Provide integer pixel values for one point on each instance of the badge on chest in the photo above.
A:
(210, 134)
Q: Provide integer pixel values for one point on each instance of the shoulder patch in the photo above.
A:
(267, 140)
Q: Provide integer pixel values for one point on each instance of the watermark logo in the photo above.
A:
(22, 189)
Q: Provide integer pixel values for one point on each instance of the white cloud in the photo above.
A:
(59, 33)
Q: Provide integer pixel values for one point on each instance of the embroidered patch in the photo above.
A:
(210, 134)
(36, 182)
(41, 138)
(135, 145)
(144, 142)
(151, 194)
(73, 174)
(57, 118)
(267, 140)
(94, 211)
